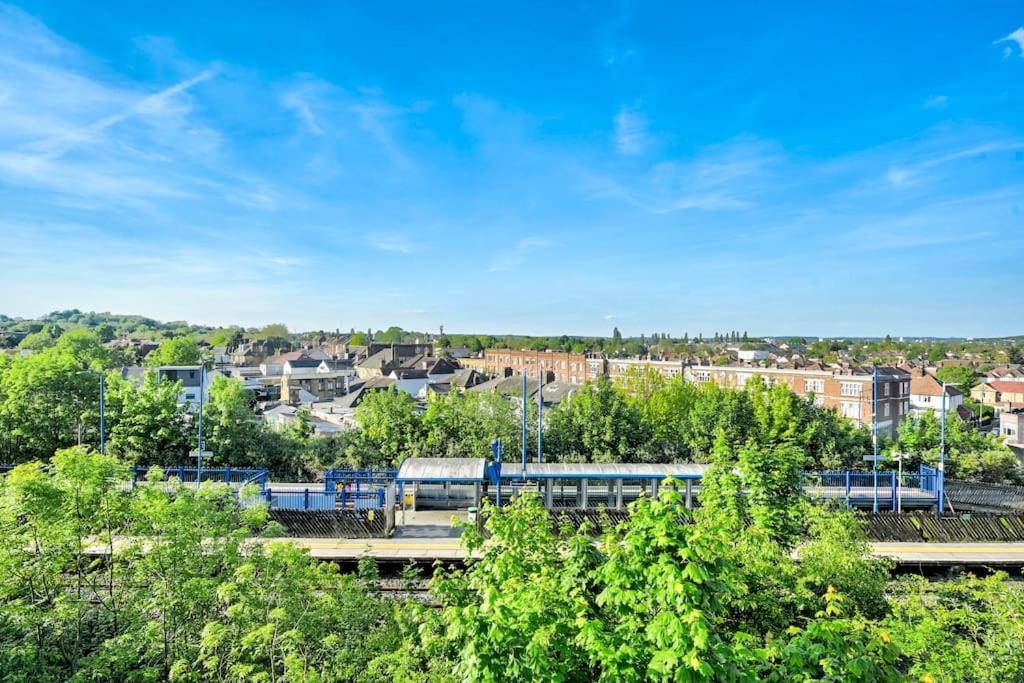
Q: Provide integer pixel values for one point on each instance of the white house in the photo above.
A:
(926, 394)
(409, 380)
(193, 382)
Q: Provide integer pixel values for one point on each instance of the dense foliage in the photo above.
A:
(748, 588)
(186, 597)
(165, 582)
(969, 453)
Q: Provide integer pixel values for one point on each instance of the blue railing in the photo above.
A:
(306, 499)
(191, 475)
(929, 478)
(4, 469)
(859, 488)
(357, 480)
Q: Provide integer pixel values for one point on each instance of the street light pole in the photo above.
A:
(103, 416)
(199, 457)
(942, 452)
(525, 432)
(540, 415)
(874, 432)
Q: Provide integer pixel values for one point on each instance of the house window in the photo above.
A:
(849, 389)
(850, 409)
(702, 375)
(814, 385)
(885, 410)
(886, 385)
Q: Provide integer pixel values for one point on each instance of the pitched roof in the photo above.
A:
(926, 385)
(1007, 386)
(466, 378)
(443, 366)
(408, 373)
(303, 361)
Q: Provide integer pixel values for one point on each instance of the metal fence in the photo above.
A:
(891, 489)
(306, 499)
(357, 480)
(239, 476)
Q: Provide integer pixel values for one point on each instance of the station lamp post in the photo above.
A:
(103, 416)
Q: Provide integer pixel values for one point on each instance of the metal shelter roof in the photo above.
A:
(592, 470)
(442, 469)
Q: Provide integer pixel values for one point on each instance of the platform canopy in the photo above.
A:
(594, 470)
(454, 470)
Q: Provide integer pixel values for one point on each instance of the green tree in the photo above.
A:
(230, 428)
(43, 339)
(176, 351)
(391, 335)
(147, 424)
(963, 378)
(390, 428)
(597, 424)
(465, 426)
(47, 400)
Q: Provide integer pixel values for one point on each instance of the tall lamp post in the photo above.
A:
(874, 434)
(540, 414)
(199, 457)
(942, 451)
(103, 415)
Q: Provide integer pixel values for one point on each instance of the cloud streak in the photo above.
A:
(632, 132)
(519, 254)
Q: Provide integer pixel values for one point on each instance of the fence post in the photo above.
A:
(135, 475)
(305, 499)
(847, 489)
(380, 498)
(270, 497)
(344, 496)
(181, 473)
(227, 474)
(892, 479)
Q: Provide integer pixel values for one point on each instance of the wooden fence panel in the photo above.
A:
(332, 523)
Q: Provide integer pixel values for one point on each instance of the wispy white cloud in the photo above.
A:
(725, 177)
(632, 132)
(396, 243)
(156, 104)
(935, 102)
(296, 100)
(518, 255)
(1016, 37)
(609, 316)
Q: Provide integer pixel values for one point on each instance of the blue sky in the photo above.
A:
(531, 168)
